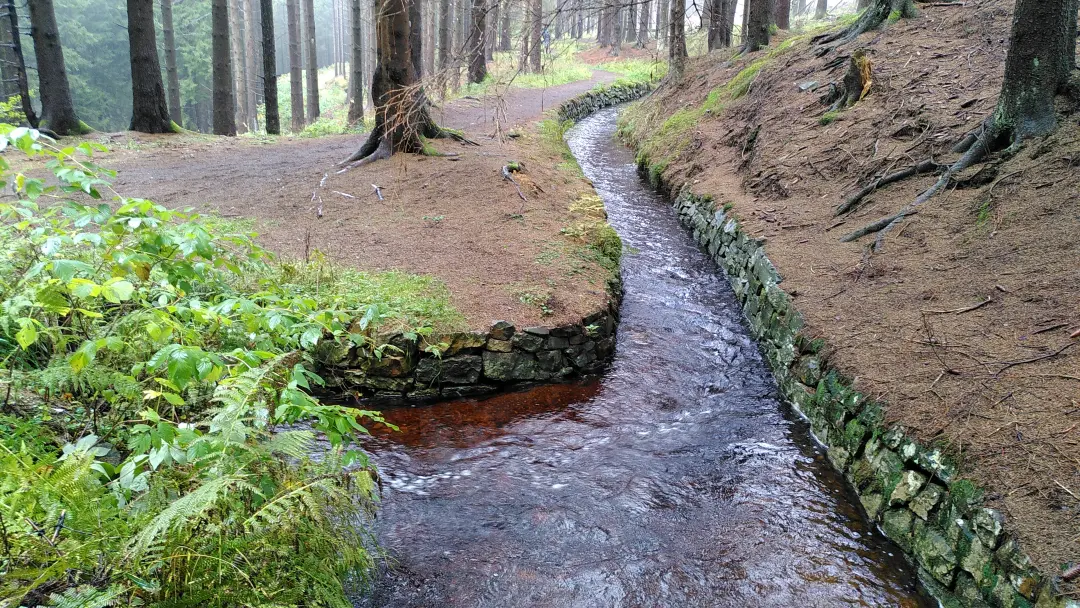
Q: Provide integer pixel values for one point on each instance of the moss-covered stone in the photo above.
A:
(499, 346)
(923, 504)
(908, 486)
(896, 523)
(512, 366)
(935, 553)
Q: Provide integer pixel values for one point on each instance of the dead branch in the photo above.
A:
(961, 310)
(1035, 359)
(506, 175)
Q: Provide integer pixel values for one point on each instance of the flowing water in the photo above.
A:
(677, 479)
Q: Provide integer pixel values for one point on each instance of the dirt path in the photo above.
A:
(454, 218)
(239, 172)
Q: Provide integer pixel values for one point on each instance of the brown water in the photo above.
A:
(677, 479)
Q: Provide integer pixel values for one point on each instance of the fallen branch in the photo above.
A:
(961, 310)
(506, 175)
(1035, 359)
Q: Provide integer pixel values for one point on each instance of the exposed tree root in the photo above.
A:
(870, 19)
(987, 134)
(853, 201)
(361, 157)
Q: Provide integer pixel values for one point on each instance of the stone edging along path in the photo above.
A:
(502, 358)
(963, 554)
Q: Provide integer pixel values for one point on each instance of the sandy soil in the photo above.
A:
(454, 218)
(998, 384)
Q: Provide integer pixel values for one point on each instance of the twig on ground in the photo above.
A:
(506, 175)
(961, 310)
(378, 191)
(343, 194)
(1035, 359)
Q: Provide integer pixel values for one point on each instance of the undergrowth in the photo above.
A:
(157, 421)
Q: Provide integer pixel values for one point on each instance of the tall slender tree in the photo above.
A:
(236, 40)
(535, 46)
(269, 57)
(172, 75)
(446, 36)
(643, 24)
(149, 108)
(663, 22)
(477, 64)
(312, 61)
(782, 14)
(221, 50)
(296, 77)
(57, 107)
(250, 68)
(822, 9)
(504, 27)
(717, 20)
(677, 37)
(356, 66)
(416, 36)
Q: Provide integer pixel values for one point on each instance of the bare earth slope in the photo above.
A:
(454, 218)
(997, 382)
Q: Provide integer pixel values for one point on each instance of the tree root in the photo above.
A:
(381, 152)
(870, 19)
(853, 201)
(506, 173)
(986, 134)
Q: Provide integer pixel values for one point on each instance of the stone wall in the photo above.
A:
(470, 363)
(911, 491)
(602, 96)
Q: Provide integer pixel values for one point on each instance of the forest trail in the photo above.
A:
(239, 176)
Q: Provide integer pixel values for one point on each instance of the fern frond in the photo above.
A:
(86, 596)
(185, 511)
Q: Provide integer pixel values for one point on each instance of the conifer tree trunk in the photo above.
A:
(250, 70)
(402, 116)
(631, 21)
(782, 14)
(9, 78)
(504, 27)
(20, 65)
(57, 107)
(446, 35)
(172, 76)
(430, 14)
(269, 59)
(822, 10)
(875, 14)
(758, 17)
(617, 25)
(535, 45)
(728, 31)
(312, 59)
(477, 65)
(150, 110)
(356, 66)
(416, 34)
(296, 77)
(663, 22)
(643, 24)
(236, 42)
(677, 37)
(526, 34)
(491, 29)
(224, 114)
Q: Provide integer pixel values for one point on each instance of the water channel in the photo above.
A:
(677, 479)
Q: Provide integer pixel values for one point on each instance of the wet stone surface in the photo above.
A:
(677, 479)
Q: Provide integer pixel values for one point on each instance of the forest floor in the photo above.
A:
(962, 325)
(454, 218)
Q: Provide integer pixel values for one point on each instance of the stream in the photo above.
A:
(678, 478)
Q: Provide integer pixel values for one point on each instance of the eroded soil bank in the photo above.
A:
(676, 479)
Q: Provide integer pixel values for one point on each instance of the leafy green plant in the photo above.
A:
(158, 368)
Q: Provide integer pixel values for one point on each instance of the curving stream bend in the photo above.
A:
(677, 479)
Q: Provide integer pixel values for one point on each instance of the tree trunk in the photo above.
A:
(9, 77)
(57, 108)
(224, 114)
(250, 78)
(871, 18)
(535, 47)
(312, 59)
(20, 66)
(643, 25)
(504, 27)
(446, 36)
(862, 4)
(236, 41)
(172, 77)
(663, 22)
(356, 65)
(150, 110)
(1042, 55)
(717, 12)
(416, 35)
(477, 65)
(758, 17)
(677, 37)
(491, 29)
(822, 9)
(782, 14)
(270, 89)
(431, 10)
(402, 118)
(617, 24)
(296, 77)
(728, 31)
(526, 35)
(631, 21)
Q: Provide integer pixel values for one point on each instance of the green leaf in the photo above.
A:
(28, 334)
(83, 288)
(117, 290)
